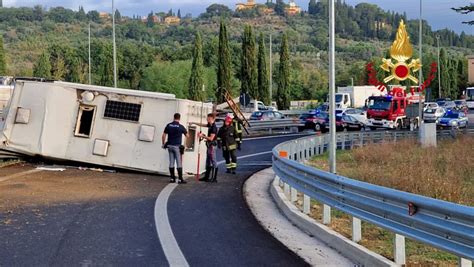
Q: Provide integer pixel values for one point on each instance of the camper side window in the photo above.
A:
(85, 120)
(190, 140)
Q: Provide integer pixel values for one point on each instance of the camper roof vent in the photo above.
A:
(122, 111)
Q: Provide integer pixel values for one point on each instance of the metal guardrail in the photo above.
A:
(293, 112)
(270, 125)
(441, 224)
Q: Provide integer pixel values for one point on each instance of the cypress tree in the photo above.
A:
(249, 64)
(42, 69)
(263, 81)
(3, 65)
(283, 92)
(312, 7)
(196, 80)
(224, 64)
(445, 77)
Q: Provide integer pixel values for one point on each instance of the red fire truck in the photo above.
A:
(393, 111)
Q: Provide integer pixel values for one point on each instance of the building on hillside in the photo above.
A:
(293, 8)
(1, 3)
(470, 68)
(155, 18)
(104, 15)
(244, 6)
(172, 20)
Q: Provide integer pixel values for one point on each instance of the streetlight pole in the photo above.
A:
(115, 47)
(90, 72)
(439, 71)
(420, 105)
(332, 87)
(271, 71)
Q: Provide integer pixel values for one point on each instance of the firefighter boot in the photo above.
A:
(172, 176)
(214, 175)
(206, 176)
(180, 176)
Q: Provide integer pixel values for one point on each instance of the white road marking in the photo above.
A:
(170, 246)
(2, 179)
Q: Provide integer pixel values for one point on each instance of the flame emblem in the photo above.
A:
(401, 51)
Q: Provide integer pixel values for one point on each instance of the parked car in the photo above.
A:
(266, 115)
(357, 114)
(349, 123)
(453, 119)
(430, 105)
(431, 115)
(315, 122)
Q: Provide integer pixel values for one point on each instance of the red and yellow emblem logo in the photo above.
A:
(401, 51)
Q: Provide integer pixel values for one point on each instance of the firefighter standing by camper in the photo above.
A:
(238, 125)
(227, 140)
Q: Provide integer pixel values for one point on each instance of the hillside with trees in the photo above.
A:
(221, 48)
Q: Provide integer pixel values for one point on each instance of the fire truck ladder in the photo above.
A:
(236, 110)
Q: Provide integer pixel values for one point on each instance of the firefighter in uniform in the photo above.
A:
(237, 123)
(226, 138)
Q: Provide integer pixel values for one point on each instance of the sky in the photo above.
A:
(437, 12)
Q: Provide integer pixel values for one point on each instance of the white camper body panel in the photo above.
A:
(359, 94)
(54, 114)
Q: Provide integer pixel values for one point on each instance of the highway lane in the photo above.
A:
(90, 218)
(77, 217)
(213, 225)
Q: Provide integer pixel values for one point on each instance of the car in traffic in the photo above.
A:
(266, 115)
(339, 123)
(449, 105)
(430, 105)
(314, 121)
(358, 114)
(350, 123)
(453, 119)
(461, 105)
(431, 115)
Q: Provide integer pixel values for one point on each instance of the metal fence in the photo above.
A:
(441, 224)
(277, 124)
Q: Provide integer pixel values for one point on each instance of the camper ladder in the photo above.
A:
(236, 110)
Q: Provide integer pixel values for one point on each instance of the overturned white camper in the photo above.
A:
(98, 125)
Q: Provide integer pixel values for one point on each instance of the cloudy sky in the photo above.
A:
(437, 12)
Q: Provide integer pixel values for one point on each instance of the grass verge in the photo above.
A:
(445, 172)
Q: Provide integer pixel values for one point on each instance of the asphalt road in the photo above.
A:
(89, 218)
(213, 225)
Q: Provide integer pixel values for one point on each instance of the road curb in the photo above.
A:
(256, 191)
(333, 239)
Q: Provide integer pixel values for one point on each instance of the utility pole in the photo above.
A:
(439, 70)
(115, 47)
(332, 88)
(420, 105)
(90, 72)
(271, 71)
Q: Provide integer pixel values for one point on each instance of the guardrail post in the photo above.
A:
(464, 263)
(399, 250)
(286, 190)
(356, 230)
(306, 204)
(294, 194)
(326, 214)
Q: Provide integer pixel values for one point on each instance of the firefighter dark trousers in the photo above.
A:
(230, 159)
